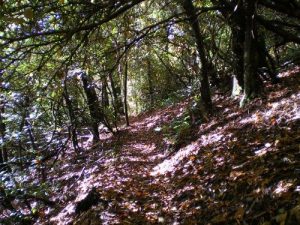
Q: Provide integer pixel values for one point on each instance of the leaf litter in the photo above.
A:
(242, 167)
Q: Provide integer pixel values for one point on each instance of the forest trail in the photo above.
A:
(243, 165)
(71, 71)
(125, 179)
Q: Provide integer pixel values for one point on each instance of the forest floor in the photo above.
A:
(241, 167)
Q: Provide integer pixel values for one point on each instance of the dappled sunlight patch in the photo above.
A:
(154, 218)
(232, 115)
(254, 118)
(144, 148)
(240, 166)
(276, 112)
(220, 161)
(283, 187)
(235, 174)
(151, 125)
(89, 179)
(105, 136)
(212, 138)
(134, 130)
(263, 150)
(169, 164)
(135, 160)
(161, 116)
(148, 122)
(64, 216)
(290, 72)
(190, 151)
(156, 157)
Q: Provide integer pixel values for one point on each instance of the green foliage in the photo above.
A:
(290, 54)
(178, 132)
(110, 115)
(173, 98)
(31, 195)
(41, 42)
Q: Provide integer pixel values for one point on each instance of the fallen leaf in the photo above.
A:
(281, 218)
(239, 214)
(219, 218)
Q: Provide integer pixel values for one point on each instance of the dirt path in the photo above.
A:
(140, 197)
(122, 175)
(242, 167)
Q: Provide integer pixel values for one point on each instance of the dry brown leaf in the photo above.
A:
(220, 218)
(192, 158)
(236, 174)
(281, 218)
(239, 214)
(273, 121)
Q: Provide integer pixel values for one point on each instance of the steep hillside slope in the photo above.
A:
(241, 167)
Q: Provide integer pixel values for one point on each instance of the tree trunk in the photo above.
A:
(193, 20)
(237, 24)
(73, 122)
(24, 108)
(116, 96)
(104, 96)
(116, 93)
(3, 152)
(150, 83)
(125, 92)
(266, 62)
(252, 84)
(238, 39)
(93, 105)
(233, 13)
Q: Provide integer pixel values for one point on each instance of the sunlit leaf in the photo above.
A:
(161, 220)
(192, 157)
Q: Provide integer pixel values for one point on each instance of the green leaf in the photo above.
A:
(34, 210)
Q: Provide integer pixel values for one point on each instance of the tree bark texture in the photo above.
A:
(104, 93)
(93, 105)
(150, 83)
(125, 92)
(252, 85)
(194, 23)
(3, 151)
(73, 122)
